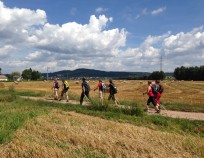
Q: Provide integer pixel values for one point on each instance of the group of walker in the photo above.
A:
(154, 92)
(111, 89)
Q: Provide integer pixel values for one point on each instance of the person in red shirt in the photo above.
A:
(151, 98)
(100, 88)
(160, 89)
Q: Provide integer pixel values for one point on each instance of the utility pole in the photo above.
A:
(161, 63)
(47, 73)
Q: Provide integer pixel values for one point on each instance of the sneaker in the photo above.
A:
(158, 111)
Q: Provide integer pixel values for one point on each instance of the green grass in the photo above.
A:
(184, 107)
(16, 111)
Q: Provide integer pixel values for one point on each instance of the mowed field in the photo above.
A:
(183, 92)
(52, 131)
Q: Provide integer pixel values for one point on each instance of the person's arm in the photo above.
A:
(96, 88)
(82, 87)
(146, 92)
(53, 86)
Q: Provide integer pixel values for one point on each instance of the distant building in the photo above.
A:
(3, 78)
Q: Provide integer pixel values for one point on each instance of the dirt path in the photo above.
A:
(168, 113)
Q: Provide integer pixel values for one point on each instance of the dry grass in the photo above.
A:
(189, 92)
(68, 134)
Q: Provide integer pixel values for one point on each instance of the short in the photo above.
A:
(152, 100)
(100, 94)
(56, 91)
(64, 91)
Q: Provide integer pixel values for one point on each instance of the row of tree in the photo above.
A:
(189, 73)
(155, 75)
(27, 74)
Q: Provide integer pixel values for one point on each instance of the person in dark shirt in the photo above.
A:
(112, 91)
(85, 90)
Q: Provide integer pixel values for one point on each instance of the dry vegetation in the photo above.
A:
(68, 134)
(189, 92)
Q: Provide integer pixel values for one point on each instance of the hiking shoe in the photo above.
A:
(158, 111)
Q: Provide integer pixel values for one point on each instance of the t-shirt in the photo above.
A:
(100, 86)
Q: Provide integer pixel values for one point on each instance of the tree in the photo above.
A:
(35, 75)
(27, 74)
(189, 73)
(15, 75)
(157, 75)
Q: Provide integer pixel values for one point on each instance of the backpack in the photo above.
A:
(161, 89)
(66, 85)
(86, 86)
(115, 90)
(103, 86)
(154, 89)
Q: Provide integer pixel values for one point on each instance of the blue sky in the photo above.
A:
(110, 35)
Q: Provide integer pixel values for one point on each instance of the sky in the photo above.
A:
(109, 35)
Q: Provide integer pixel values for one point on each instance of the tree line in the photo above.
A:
(189, 73)
(27, 74)
(155, 75)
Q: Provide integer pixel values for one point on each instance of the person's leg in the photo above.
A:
(109, 97)
(148, 103)
(67, 96)
(114, 99)
(61, 95)
(101, 96)
(158, 100)
(153, 100)
(56, 94)
(82, 97)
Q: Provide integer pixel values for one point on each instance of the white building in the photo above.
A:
(3, 78)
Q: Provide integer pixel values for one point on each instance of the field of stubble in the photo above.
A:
(183, 92)
(67, 134)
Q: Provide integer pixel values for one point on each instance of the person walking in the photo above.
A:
(55, 87)
(65, 85)
(112, 91)
(85, 90)
(160, 90)
(151, 98)
(101, 90)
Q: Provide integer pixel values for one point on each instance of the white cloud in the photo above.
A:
(28, 40)
(101, 10)
(158, 11)
(72, 38)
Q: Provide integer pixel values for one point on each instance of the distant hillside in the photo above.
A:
(92, 73)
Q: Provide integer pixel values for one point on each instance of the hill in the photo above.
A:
(91, 73)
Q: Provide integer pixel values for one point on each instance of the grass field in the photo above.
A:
(42, 129)
(178, 95)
